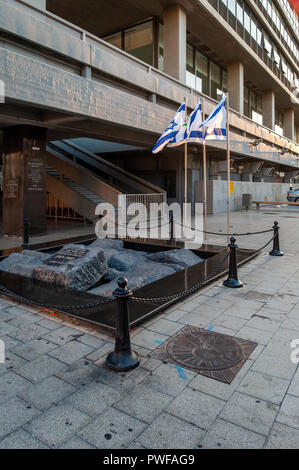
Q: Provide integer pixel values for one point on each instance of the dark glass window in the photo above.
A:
(215, 80)
(139, 41)
(202, 73)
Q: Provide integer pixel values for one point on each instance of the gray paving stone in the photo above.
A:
(196, 319)
(282, 437)
(76, 443)
(57, 424)
(41, 368)
(71, 352)
(143, 403)
(93, 399)
(6, 328)
(48, 392)
(80, 373)
(16, 311)
(12, 362)
(211, 387)
(255, 334)
(10, 343)
(250, 413)
(29, 332)
(137, 375)
(169, 432)
(294, 386)
(49, 324)
(34, 348)
(196, 407)
(166, 327)
(175, 315)
(225, 435)
(289, 412)
(91, 340)
(166, 379)
(15, 413)
(21, 440)
(278, 348)
(24, 320)
(135, 445)
(11, 384)
(112, 430)
(283, 334)
(263, 323)
(62, 335)
(97, 354)
(278, 366)
(279, 304)
(230, 322)
(265, 387)
(151, 364)
(148, 339)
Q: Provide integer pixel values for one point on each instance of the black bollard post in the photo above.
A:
(25, 234)
(171, 228)
(122, 358)
(276, 250)
(232, 280)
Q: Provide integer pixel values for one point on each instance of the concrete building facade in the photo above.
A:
(116, 74)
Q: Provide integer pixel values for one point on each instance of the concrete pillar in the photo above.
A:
(289, 124)
(24, 179)
(236, 86)
(269, 109)
(42, 4)
(175, 38)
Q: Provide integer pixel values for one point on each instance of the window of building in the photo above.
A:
(253, 105)
(204, 75)
(278, 122)
(139, 42)
(115, 40)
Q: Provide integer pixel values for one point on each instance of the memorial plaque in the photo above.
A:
(11, 189)
(35, 176)
(66, 256)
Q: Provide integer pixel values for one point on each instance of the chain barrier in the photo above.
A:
(25, 300)
(260, 249)
(229, 234)
(182, 293)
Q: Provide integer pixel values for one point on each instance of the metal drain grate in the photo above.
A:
(206, 352)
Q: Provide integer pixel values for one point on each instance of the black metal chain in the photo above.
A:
(262, 248)
(182, 293)
(229, 234)
(25, 300)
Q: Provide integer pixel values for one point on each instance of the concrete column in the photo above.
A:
(236, 86)
(175, 38)
(40, 3)
(269, 109)
(24, 179)
(289, 124)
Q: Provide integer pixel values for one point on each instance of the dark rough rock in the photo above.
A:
(181, 257)
(23, 263)
(81, 273)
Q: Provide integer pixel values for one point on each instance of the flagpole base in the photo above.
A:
(233, 283)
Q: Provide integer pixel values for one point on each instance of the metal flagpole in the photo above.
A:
(186, 168)
(228, 167)
(204, 158)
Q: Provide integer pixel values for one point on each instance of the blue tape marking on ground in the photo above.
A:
(181, 373)
(159, 342)
(210, 327)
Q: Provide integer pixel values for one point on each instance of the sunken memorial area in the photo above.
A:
(73, 277)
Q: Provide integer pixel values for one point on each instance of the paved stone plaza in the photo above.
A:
(55, 393)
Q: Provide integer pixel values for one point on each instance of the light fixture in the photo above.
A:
(283, 152)
(257, 142)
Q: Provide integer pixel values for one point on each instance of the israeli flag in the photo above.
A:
(215, 124)
(175, 132)
(194, 125)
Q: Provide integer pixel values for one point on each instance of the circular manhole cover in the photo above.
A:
(204, 350)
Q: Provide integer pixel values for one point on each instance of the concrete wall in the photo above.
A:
(217, 190)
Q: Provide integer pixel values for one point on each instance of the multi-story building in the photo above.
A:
(113, 73)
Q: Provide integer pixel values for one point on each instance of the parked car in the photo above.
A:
(293, 196)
